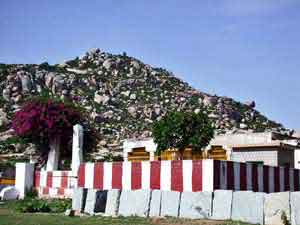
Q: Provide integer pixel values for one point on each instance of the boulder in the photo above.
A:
(195, 205)
(112, 203)
(101, 99)
(295, 208)
(248, 207)
(155, 203)
(3, 118)
(26, 83)
(107, 64)
(275, 205)
(222, 205)
(170, 201)
(135, 203)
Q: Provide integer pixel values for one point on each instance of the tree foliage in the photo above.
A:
(181, 129)
(43, 120)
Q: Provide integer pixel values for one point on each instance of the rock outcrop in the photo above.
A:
(122, 96)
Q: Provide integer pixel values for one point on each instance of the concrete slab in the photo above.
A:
(295, 208)
(135, 203)
(195, 205)
(78, 199)
(170, 201)
(90, 202)
(222, 205)
(248, 207)
(274, 206)
(155, 203)
(112, 203)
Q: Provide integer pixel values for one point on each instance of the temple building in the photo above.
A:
(267, 148)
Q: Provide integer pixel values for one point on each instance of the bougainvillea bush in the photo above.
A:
(42, 121)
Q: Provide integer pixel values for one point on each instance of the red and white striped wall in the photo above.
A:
(246, 176)
(55, 184)
(180, 176)
(188, 175)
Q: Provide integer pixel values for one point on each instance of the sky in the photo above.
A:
(244, 49)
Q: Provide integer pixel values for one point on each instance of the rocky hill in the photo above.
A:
(123, 96)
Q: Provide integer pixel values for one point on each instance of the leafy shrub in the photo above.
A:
(32, 193)
(60, 205)
(33, 205)
(180, 130)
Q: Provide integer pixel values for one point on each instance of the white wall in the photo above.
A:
(242, 139)
(269, 157)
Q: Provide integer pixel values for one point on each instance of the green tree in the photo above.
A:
(182, 129)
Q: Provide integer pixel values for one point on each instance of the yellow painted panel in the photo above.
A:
(4, 181)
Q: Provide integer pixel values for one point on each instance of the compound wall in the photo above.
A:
(188, 175)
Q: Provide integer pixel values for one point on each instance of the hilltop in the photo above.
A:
(123, 97)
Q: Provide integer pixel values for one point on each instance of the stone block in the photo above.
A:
(222, 205)
(274, 206)
(135, 203)
(112, 203)
(100, 205)
(295, 208)
(155, 203)
(195, 205)
(78, 199)
(90, 202)
(9, 193)
(170, 201)
(248, 207)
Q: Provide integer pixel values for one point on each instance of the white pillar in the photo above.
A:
(297, 158)
(53, 155)
(151, 156)
(125, 156)
(77, 150)
(228, 152)
(24, 178)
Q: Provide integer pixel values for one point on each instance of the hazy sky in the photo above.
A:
(245, 49)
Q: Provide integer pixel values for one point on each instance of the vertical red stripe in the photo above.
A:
(117, 175)
(49, 179)
(81, 176)
(286, 179)
(98, 176)
(197, 176)
(217, 174)
(37, 178)
(155, 175)
(176, 176)
(136, 175)
(296, 180)
(64, 179)
(230, 176)
(276, 179)
(254, 178)
(266, 178)
(243, 176)
(45, 190)
(61, 191)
